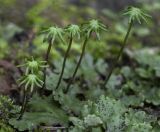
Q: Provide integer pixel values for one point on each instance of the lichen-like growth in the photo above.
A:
(7, 108)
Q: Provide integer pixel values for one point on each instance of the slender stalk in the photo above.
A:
(78, 64)
(47, 61)
(64, 61)
(23, 105)
(102, 128)
(119, 54)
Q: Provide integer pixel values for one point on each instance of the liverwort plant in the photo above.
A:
(52, 34)
(94, 26)
(89, 27)
(30, 80)
(134, 14)
(33, 66)
(72, 30)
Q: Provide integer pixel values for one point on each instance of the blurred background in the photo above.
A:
(21, 23)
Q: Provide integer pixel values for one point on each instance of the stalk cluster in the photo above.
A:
(85, 31)
(33, 77)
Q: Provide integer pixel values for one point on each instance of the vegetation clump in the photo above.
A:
(81, 77)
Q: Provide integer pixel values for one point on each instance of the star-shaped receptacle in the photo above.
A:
(53, 33)
(73, 30)
(94, 26)
(136, 14)
(33, 66)
(30, 81)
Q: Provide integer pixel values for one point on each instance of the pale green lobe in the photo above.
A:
(26, 86)
(22, 82)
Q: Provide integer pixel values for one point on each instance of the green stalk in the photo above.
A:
(47, 61)
(64, 61)
(102, 129)
(119, 54)
(78, 64)
(23, 105)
